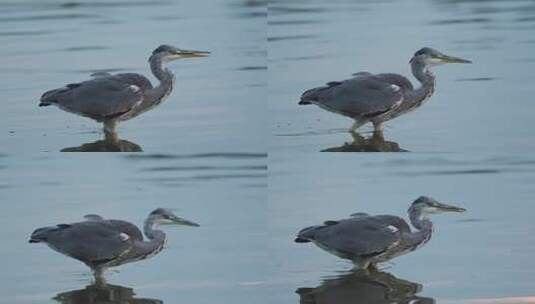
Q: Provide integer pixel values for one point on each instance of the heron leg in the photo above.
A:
(378, 128)
(98, 273)
(109, 131)
(357, 124)
(372, 268)
(109, 126)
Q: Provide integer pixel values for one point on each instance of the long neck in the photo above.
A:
(424, 227)
(419, 219)
(166, 78)
(157, 238)
(421, 71)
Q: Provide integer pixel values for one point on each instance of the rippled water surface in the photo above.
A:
(220, 261)
(484, 255)
(486, 106)
(217, 103)
(206, 149)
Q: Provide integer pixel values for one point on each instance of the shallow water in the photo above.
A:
(206, 149)
(223, 192)
(218, 101)
(481, 256)
(485, 106)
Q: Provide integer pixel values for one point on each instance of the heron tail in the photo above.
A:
(306, 235)
(308, 97)
(50, 97)
(42, 234)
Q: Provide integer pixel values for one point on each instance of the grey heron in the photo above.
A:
(111, 98)
(378, 98)
(100, 243)
(367, 240)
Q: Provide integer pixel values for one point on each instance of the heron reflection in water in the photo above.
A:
(367, 240)
(110, 143)
(111, 98)
(377, 98)
(99, 294)
(375, 143)
(101, 243)
(364, 287)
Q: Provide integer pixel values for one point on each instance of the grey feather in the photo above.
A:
(361, 97)
(90, 242)
(351, 237)
(100, 98)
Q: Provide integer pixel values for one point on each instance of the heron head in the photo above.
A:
(166, 216)
(428, 205)
(432, 57)
(170, 52)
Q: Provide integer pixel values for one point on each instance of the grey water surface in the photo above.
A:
(218, 102)
(222, 261)
(484, 255)
(485, 106)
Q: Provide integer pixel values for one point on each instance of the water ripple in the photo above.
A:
(291, 37)
(236, 155)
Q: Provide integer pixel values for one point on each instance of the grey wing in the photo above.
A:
(100, 98)
(398, 80)
(122, 226)
(125, 227)
(89, 242)
(364, 96)
(358, 237)
(391, 220)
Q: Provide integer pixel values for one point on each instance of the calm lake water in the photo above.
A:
(218, 102)
(484, 255)
(485, 106)
(207, 149)
(220, 261)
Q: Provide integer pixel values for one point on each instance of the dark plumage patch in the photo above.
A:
(163, 48)
(330, 223)
(372, 254)
(373, 114)
(334, 83)
(73, 85)
(423, 51)
(101, 261)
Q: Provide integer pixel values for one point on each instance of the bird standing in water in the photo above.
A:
(378, 98)
(367, 240)
(101, 243)
(111, 98)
